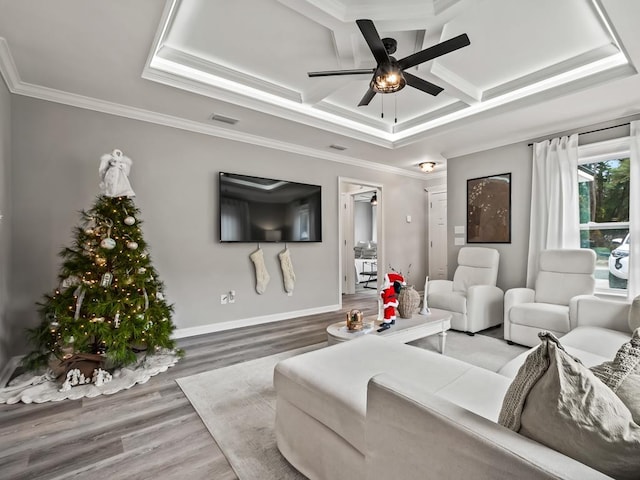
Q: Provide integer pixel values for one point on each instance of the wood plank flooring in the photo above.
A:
(151, 430)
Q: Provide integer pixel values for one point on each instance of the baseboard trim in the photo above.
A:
(8, 370)
(247, 322)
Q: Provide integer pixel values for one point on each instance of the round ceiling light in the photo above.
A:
(427, 166)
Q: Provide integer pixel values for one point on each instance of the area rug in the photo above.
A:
(237, 403)
(43, 387)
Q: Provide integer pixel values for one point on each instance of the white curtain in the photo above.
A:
(633, 284)
(555, 217)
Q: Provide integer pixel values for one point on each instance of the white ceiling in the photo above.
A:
(533, 68)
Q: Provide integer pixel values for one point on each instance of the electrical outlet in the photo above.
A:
(224, 299)
(232, 296)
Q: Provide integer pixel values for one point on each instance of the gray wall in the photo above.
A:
(5, 225)
(56, 152)
(516, 159)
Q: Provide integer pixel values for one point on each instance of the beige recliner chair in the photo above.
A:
(472, 297)
(563, 275)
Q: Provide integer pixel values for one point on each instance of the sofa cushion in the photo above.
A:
(545, 316)
(599, 341)
(452, 302)
(634, 314)
(592, 345)
(477, 390)
(330, 384)
(560, 403)
(622, 374)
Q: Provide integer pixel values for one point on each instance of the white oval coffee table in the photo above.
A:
(405, 329)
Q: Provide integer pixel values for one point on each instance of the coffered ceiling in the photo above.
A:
(533, 68)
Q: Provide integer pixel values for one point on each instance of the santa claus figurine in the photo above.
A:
(393, 282)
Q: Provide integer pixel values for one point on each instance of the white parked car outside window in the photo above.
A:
(619, 264)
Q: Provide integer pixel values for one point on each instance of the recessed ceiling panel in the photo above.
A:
(513, 39)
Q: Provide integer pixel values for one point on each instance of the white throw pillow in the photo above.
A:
(557, 401)
(622, 374)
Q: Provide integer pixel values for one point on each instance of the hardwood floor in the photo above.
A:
(151, 430)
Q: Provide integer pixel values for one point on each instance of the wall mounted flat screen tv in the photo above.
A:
(255, 209)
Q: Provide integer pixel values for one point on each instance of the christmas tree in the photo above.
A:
(110, 300)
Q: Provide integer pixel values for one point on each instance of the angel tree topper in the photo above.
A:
(114, 175)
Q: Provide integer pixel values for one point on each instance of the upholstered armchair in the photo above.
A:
(551, 305)
(472, 297)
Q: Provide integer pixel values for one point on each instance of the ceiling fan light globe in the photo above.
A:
(387, 79)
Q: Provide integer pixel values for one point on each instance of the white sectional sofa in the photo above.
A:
(375, 409)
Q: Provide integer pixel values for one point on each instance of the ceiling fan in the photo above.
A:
(389, 75)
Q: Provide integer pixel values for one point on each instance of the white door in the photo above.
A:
(438, 264)
(348, 264)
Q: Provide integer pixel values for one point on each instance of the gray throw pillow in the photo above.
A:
(634, 314)
(557, 401)
(622, 375)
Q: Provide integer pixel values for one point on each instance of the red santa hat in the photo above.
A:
(391, 278)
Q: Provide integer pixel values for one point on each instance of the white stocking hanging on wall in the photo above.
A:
(287, 270)
(262, 276)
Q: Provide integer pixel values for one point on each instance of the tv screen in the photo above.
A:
(254, 209)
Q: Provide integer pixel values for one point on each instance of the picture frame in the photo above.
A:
(489, 209)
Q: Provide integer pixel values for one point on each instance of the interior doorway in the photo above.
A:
(360, 235)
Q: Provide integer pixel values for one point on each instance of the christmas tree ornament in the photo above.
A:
(129, 220)
(116, 320)
(142, 270)
(131, 245)
(70, 281)
(108, 243)
(159, 296)
(79, 294)
(106, 279)
(101, 261)
(262, 276)
(144, 254)
(89, 231)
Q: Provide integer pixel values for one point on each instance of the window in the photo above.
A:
(603, 180)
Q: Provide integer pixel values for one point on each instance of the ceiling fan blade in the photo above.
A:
(438, 50)
(367, 97)
(372, 37)
(420, 84)
(328, 73)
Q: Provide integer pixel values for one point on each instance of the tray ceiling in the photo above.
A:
(257, 53)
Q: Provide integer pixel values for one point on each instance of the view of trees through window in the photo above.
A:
(604, 218)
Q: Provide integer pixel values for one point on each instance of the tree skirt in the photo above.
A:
(43, 387)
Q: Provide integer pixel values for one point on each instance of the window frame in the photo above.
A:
(603, 151)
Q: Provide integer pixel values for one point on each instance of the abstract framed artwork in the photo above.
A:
(489, 209)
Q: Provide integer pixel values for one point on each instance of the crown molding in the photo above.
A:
(18, 87)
